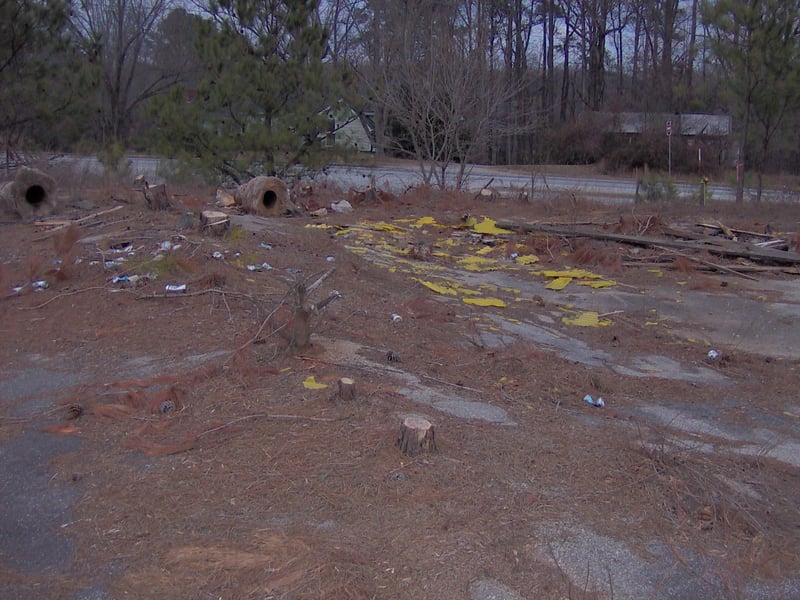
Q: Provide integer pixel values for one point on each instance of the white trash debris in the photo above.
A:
(598, 402)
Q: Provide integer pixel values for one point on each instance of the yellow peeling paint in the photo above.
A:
(422, 221)
(485, 302)
(586, 319)
(443, 289)
(657, 272)
(527, 259)
(559, 283)
(479, 263)
(598, 283)
(489, 227)
(318, 226)
(573, 273)
(382, 226)
(310, 383)
(485, 250)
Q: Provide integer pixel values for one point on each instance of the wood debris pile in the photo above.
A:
(745, 248)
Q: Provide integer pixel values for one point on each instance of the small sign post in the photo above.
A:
(669, 145)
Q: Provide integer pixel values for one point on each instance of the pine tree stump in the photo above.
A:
(214, 222)
(347, 389)
(157, 197)
(416, 436)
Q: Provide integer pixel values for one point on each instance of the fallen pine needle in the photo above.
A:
(268, 416)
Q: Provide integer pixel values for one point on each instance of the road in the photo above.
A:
(399, 178)
(605, 189)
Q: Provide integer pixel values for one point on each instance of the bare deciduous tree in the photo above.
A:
(114, 35)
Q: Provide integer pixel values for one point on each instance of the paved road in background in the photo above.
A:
(607, 189)
(399, 178)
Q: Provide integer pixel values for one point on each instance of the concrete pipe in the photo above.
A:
(30, 195)
(262, 195)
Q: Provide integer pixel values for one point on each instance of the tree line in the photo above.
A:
(238, 86)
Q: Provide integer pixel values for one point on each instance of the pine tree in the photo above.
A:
(257, 107)
(39, 80)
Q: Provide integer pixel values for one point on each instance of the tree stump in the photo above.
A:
(416, 436)
(347, 389)
(157, 197)
(214, 222)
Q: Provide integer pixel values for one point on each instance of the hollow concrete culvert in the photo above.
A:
(262, 195)
(30, 195)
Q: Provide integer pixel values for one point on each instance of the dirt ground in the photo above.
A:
(177, 445)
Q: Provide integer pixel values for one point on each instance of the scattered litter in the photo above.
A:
(166, 406)
(175, 288)
(17, 289)
(261, 267)
(121, 248)
(396, 318)
(598, 402)
(110, 264)
(39, 285)
(713, 354)
(218, 255)
(310, 383)
(319, 213)
(165, 246)
(330, 258)
(120, 279)
(393, 356)
(265, 245)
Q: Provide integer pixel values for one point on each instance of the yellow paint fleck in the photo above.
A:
(489, 227)
(527, 259)
(598, 283)
(443, 289)
(586, 319)
(485, 302)
(657, 272)
(310, 383)
(559, 283)
(422, 221)
(573, 273)
(485, 250)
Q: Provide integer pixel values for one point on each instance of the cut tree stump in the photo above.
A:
(214, 222)
(157, 197)
(416, 436)
(347, 389)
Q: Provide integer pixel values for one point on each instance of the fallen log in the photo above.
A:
(30, 195)
(265, 196)
(726, 248)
